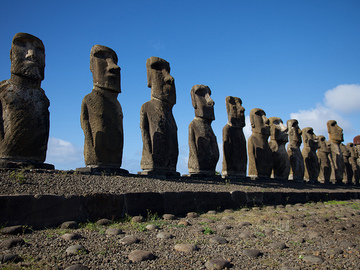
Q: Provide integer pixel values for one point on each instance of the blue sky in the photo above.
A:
(294, 59)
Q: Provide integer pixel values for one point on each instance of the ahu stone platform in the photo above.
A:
(41, 211)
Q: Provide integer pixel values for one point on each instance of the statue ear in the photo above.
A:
(193, 99)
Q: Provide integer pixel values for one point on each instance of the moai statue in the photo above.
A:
(278, 139)
(352, 160)
(158, 128)
(101, 114)
(323, 155)
(337, 161)
(312, 167)
(203, 147)
(260, 154)
(297, 167)
(357, 146)
(24, 120)
(348, 173)
(234, 142)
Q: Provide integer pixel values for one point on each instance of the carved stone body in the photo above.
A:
(234, 142)
(24, 119)
(278, 139)
(297, 167)
(348, 173)
(203, 147)
(312, 167)
(354, 155)
(337, 160)
(101, 113)
(158, 127)
(260, 154)
(323, 154)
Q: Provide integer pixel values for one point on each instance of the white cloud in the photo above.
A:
(247, 128)
(344, 98)
(317, 119)
(64, 155)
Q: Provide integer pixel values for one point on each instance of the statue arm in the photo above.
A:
(226, 147)
(145, 131)
(2, 132)
(85, 123)
(193, 149)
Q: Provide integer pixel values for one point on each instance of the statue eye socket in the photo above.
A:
(19, 42)
(100, 55)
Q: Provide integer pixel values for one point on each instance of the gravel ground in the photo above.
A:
(301, 236)
(69, 182)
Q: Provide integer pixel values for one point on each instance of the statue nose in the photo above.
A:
(30, 53)
(169, 79)
(209, 100)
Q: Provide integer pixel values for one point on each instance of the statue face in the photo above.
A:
(278, 131)
(324, 146)
(235, 111)
(202, 102)
(27, 57)
(294, 131)
(335, 132)
(310, 138)
(159, 79)
(259, 122)
(103, 65)
(352, 149)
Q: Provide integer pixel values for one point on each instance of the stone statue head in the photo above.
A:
(160, 81)
(294, 131)
(324, 146)
(27, 56)
(259, 121)
(309, 138)
(202, 102)
(235, 111)
(335, 132)
(103, 65)
(278, 131)
(352, 149)
(357, 140)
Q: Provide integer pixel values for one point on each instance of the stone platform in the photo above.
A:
(41, 211)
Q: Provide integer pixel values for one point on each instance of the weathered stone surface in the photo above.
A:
(12, 230)
(218, 240)
(336, 136)
(71, 236)
(313, 259)
(77, 267)
(101, 112)
(152, 227)
(164, 235)
(312, 167)
(9, 243)
(75, 249)
(129, 240)
(69, 225)
(158, 127)
(103, 222)
(354, 155)
(260, 154)
(234, 142)
(252, 253)
(203, 147)
(187, 248)
(168, 217)
(323, 155)
(184, 223)
(192, 215)
(140, 255)
(217, 264)
(348, 173)
(278, 139)
(4, 258)
(297, 166)
(278, 245)
(113, 231)
(137, 219)
(24, 122)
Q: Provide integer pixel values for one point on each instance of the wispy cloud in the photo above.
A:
(64, 155)
(341, 99)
